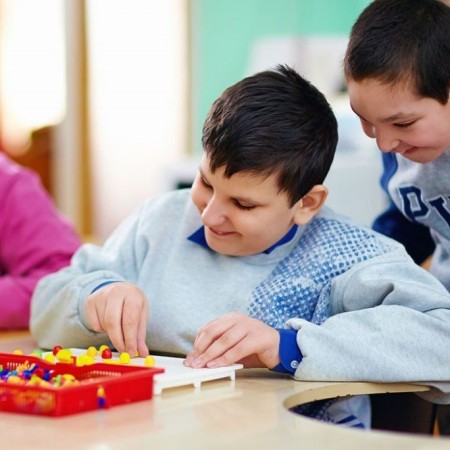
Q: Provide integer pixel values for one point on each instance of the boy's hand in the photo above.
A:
(120, 310)
(235, 338)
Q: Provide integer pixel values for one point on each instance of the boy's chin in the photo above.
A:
(227, 251)
(235, 245)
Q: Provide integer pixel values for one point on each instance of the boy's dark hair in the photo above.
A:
(403, 41)
(274, 122)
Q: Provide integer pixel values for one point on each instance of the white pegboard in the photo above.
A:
(175, 372)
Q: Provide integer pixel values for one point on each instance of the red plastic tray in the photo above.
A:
(103, 386)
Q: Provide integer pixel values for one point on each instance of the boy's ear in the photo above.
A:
(308, 206)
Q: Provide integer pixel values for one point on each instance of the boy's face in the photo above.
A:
(401, 122)
(242, 215)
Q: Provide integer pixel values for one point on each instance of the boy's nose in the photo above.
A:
(386, 142)
(212, 214)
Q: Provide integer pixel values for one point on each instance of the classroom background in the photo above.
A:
(106, 98)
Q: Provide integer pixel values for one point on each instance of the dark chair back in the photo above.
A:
(405, 412)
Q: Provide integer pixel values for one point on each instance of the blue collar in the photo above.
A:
(199, 238)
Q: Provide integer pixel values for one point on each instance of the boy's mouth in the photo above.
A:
(408, 151)
(220, 233)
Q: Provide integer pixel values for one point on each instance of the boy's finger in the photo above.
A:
(112, 323)
(142, 332)
(220, 346)
(240, 351)
(92, 318)
(210, 333)
(131, 320)
(189, 358)
(95, 311)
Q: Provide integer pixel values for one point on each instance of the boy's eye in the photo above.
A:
(205, 183)
(244, 207)
(404, 125)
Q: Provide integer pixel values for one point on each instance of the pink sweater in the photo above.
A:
(35, 240)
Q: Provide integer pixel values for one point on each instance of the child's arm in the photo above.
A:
(58, 310)
(235, 338)
(34, 241)
(16, 291)
(121, 311)
(390, 323)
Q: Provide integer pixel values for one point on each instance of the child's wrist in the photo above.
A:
(289, 353)
(103, 284)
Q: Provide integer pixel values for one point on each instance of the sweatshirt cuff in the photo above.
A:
(290, 354)
(105, 283)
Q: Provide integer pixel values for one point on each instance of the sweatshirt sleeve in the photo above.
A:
(57, 314)
(35, 240)
(390, 323)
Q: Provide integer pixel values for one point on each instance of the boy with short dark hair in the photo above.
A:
(250, 258)
(398, 70)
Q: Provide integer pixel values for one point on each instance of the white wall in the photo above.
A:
(32, 81)
(353, 180)
(138, 64)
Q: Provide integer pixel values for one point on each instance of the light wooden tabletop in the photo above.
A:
(250, 413)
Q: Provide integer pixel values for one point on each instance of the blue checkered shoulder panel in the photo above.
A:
(299, 286)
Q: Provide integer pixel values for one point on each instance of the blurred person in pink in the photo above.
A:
(35, 240)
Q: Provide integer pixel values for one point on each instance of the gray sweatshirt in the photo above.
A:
(421, 192)
(363, 310)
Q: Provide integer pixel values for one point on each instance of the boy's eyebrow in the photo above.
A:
(202, 174)
(359, 115)
(250, 201)
(397, 116)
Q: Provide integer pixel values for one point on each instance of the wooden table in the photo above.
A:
(250, 413)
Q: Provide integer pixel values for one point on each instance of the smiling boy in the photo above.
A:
(239, 217)
(402, 122)
(248, 266)
(397, 67)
